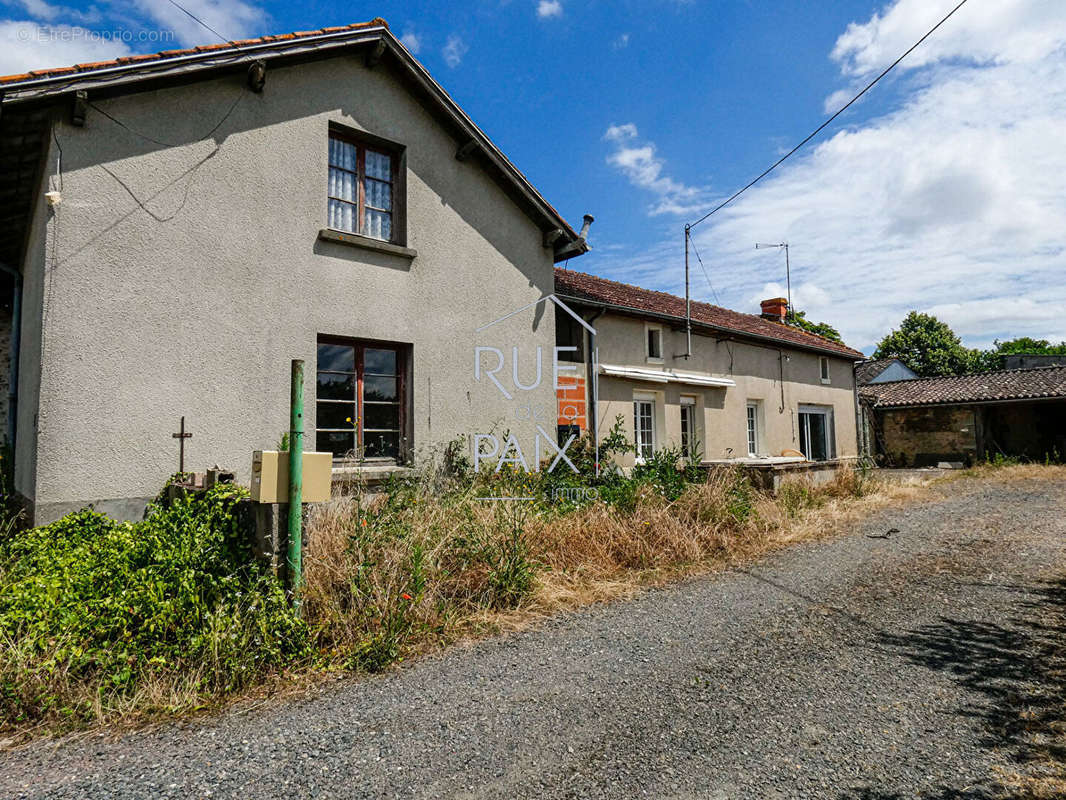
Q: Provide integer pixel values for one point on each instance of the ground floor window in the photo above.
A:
(753, 428)
(359, 395)
(644, 427)
(817, 438)
(688, 424)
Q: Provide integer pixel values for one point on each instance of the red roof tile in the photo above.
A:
(581, 286)
(165, 54)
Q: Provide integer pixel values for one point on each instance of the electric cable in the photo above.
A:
(825, 124)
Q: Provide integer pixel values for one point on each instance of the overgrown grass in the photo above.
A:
(102, 620)
(413, 569)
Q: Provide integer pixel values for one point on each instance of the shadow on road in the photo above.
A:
(1016, 672)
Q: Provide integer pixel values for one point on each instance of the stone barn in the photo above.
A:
(1018, 413)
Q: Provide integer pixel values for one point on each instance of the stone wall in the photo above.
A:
(919, 437)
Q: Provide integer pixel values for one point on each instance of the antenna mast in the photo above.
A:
(788, 272)
(688, 301)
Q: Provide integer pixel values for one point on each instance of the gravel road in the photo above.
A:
(858, 668)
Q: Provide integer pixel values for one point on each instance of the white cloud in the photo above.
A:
(454, 50)
(640, 163)
(549, 8)
(233, 19)
(26, 45)
(1005, 31)
(949, 203)
(48, 13)
(411, 41)
(621, 42)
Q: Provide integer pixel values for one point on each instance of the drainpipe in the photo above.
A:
(16, 335)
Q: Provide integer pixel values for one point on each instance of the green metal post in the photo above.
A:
(296, 482)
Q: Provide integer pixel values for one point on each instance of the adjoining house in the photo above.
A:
(922, 422)
(179, 226)
(753, 390)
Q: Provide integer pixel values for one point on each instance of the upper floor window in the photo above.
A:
(823, 367)
(654, 335)
(362, 188)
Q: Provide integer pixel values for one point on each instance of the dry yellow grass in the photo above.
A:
(385, 579)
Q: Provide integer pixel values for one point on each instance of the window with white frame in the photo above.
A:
(816, 432)
(688, 424)
(823, 366)
(363, 196)
(753, 428)
(653, 336)
(644, 427)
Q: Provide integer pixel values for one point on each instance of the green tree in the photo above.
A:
(799, 319)
(929, 347)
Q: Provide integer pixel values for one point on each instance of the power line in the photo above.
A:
(200, 21)
(825, 124)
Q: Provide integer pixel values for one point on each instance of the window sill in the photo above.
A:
(826, 382)
(366, 243)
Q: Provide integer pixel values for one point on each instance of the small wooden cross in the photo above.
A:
(181, 437)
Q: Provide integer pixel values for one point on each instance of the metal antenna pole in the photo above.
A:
(688, 302)
(788, 280)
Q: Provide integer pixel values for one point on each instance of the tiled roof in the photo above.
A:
(868, 370)
(580, 286)
(165, 54)
(1009, 384)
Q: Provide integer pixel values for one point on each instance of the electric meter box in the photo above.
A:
(270, 476)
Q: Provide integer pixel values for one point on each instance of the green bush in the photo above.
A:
(92, 609)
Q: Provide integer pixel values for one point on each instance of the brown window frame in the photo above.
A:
(397, 169)
(360, 347)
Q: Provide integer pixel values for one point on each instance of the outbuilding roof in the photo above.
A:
(986, 387)
(579, 286)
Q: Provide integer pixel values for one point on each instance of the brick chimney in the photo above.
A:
(776, 308)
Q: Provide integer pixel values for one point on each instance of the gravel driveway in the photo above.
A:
(862, 668)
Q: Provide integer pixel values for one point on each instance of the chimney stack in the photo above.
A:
(776, 308)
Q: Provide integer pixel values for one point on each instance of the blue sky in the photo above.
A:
(941, 191)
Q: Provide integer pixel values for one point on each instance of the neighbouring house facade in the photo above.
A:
(184, 225)
(752, 390)
(923, 422)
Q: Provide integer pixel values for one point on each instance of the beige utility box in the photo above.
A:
(270, 476)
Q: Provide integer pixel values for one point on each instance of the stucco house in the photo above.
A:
(179, 226)
(753, 389)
